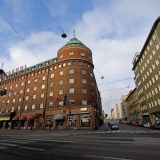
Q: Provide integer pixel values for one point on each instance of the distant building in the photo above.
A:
(133, 107)
(124, 109)
(146, 66)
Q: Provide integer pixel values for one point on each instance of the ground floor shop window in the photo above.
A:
(85, 120)
(72, 120)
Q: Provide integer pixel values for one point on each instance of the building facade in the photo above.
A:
(124, 109)
(147, 75)
(133, 107)
(61, 93)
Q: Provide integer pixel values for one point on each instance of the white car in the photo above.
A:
(147, 125)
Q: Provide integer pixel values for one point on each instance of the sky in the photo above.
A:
(113, 29)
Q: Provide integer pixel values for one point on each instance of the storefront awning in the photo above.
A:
(59, 117)
(30, 117)
(15, 118)
(22, 118)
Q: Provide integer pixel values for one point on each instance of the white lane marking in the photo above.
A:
(1, 147)
(106, 157)
(58, 141)
(37, 149)
(8, 144)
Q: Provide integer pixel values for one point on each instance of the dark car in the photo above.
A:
(157, 126)
(141, 124)
(113, 126)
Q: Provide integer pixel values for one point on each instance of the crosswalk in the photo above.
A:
(128, 131)
(10, 142)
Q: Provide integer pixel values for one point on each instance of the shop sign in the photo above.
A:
(4, 118)
(86, 116)
(83, 109)
(16, 70)
(49, 117)
(71, 117)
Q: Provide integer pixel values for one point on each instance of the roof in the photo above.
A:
(74, 42)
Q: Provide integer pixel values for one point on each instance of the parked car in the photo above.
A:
(147, 125)
(141, 124)
(157, 126)
(135, 123)
(113, 126)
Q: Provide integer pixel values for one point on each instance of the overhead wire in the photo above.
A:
(19, 36)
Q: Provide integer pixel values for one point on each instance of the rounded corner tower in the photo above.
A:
(74, 49)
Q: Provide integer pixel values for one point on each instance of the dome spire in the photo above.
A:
(74, 33)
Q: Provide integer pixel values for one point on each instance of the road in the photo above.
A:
(128, 143)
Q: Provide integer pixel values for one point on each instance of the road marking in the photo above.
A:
(59, 141)
(37, 149)
(8, 144)
(106, 157)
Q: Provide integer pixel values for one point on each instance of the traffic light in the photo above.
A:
(3, 92)
(65, 99)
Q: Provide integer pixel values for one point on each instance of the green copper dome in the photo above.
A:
(74, 41)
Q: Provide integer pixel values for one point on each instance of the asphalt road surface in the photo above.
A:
(128, 143)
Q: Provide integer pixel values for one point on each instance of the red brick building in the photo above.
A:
(35, 95)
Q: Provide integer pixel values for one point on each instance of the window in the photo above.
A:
(71, 53)
(41, 105)
(22, 84)
(74, 62)
(60, 82)
(55, 67)
(16, 85)
(51, 84)
(9, 94)
(33, 106)
(83, 71)
(27, 97)
(61, 56)
(84, 91)
(25, 107)
(50, 104)
(157, 62)
(29, 82)
(59, 65)
(92, 93)
(60, 92)
(61, 73)
(154, 52)
(92, 83)
(42, 95)
(36, 80)
(27, 90)
(80, 63)
(82, 54)
(91, 74)
(71, 80)
(50, 93)
(69, 63)
(14, 100)
(19, 107)
(20, 99)
(157, 46)
(84, 102)
(34, 96)
(72, 101)
(156, 76)
(43, 86)
(15, 92)
(44, 77)
(83, 81)
(35, 88)
(71, 90)
(52, 75)
(64, 64)
(71, 71)
(84, 63)
(21, 91)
